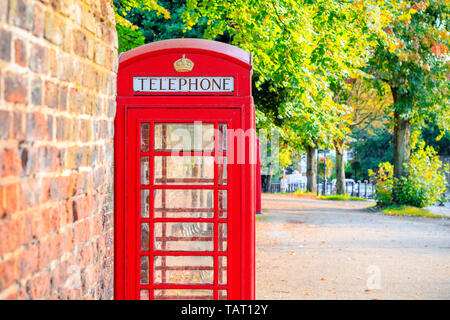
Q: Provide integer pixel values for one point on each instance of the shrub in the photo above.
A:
(425, 183)
(384, 183)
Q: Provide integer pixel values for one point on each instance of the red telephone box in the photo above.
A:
(185, 161)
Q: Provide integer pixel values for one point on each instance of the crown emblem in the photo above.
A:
(183, 64)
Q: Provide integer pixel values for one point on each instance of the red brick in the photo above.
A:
(8, 272)
(82, 232)
(10, 199)
(10, 163)
(38, 286)
(5, 124)
(38, 23)
(51, 94)
(35, 126)
(16, 88)
(5, 45)
(21, 14)
(27, 263)
(10, 235)
(29, 195)
(20, 51)
(38, 59)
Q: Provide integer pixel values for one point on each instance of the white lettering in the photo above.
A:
(183, 84)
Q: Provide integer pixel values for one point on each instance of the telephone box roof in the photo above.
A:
(228, 51)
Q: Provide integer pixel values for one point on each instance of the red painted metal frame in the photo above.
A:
(210, 59)
(258, 179)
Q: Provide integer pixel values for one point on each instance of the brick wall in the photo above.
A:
(58, 62)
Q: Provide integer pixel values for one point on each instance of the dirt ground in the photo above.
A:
(315, 249)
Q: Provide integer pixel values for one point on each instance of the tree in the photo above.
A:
(414, 63)
(433, 137)
(372, 147)
(128, 33)
(367, 107)
(305, 47)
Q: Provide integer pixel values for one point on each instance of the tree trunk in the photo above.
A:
(266, 180)
(402, 145)
(340, 170)
(311, 170)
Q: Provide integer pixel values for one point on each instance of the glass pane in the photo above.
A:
(144, 270)
(222, 137)
(184, 170)
(145, 206)
(145, 137)
(145, 236)
(190, 236)
(183, 203)
(183, 294)
(145, 171)
(145, 295)
(222, 237)
(222, 269)
(223, 294)
(223, 203)
(196, 136)
(222, 170)
(183, 270)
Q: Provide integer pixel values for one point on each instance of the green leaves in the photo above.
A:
(307, 48)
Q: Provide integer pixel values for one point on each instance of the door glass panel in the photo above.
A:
(179, 236)
(222, 170)
(223, 295)
(222, 269)
(183, 270)
(144, 295)
(145, 171)
(145, 137)
(223, 202)
(145, 198)
(183, 294)
(144, 270)
(183, 203)
(222, 237)
(196, 136)
(184, 170)
(145, 236)
(222, 137)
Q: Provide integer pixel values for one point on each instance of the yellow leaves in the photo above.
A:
(405, 18)
(122, 21)
(148, 5)
(392, 47)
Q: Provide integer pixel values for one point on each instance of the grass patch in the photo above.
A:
(409, 211)
(341, 198)
(301, 193)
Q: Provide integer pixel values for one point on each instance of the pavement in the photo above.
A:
(316, 249)
(441, 210)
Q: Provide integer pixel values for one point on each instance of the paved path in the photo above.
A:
(314, 249)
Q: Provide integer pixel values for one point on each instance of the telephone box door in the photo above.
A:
(182, 218)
